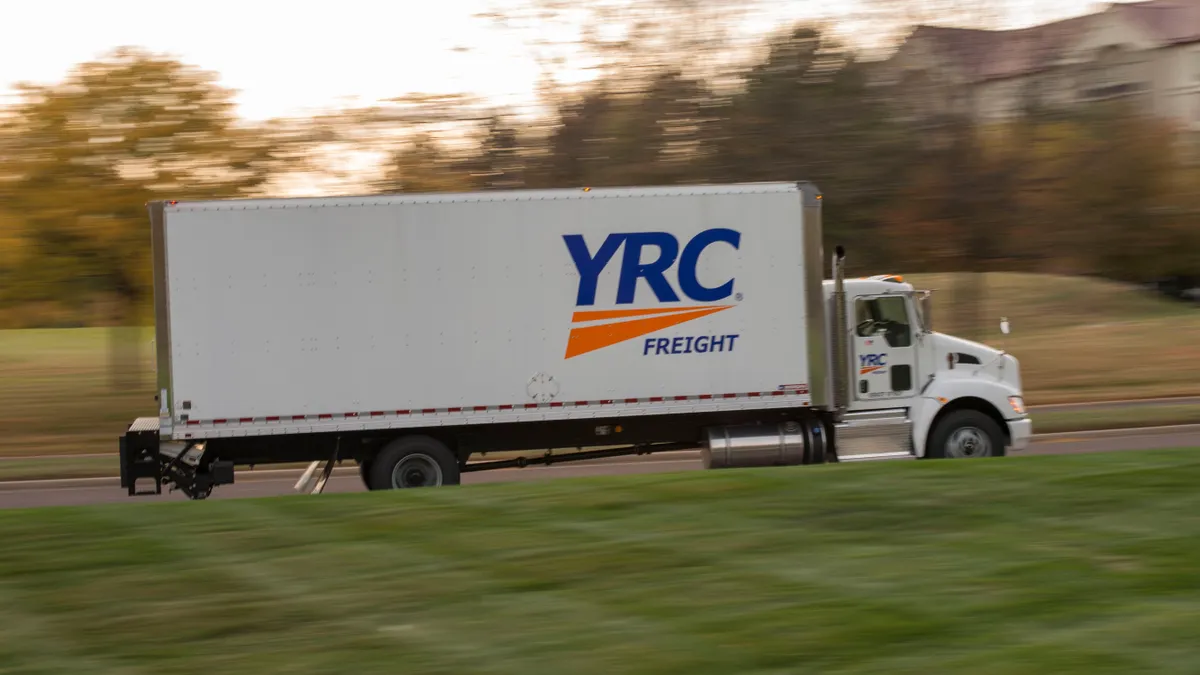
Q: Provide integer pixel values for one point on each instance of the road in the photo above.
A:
(274, 483)
(1045, 408)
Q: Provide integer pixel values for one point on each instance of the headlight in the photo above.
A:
(1018, 404)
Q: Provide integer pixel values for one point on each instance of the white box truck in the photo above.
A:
(410, 333)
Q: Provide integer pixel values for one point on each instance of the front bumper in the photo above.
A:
(1021, 432)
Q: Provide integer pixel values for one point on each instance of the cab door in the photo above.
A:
(885, 354)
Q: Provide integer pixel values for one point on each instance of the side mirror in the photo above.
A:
(926, 304)
(1004, 328)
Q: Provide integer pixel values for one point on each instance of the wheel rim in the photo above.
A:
(416, 471)
(968, 442)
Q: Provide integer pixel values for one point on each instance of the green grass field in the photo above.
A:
(1078, 340)
(1090, 420)
(1082, 563)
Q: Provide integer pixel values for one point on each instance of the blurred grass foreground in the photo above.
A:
(1078, 339)
(1080, 563)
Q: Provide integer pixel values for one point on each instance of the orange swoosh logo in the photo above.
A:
(642, 321)
(870, 369)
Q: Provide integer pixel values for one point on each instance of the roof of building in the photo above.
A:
(1172, 21)
(995, 54)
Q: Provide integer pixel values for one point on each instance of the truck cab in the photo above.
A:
(901, 388)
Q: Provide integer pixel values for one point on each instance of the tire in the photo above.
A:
(819, 437)
(413, 461)
(965, 434)
(364, 472)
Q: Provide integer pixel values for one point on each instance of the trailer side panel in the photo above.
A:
(293, 316)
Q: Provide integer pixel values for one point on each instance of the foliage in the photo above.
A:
(1101, 193)
(81, 158)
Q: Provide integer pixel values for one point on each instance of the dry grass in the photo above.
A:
(1078, 340)
(57, 395)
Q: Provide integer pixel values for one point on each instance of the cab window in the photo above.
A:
(886, 317)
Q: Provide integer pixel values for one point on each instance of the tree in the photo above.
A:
(82, 158)
(805, 113)
(501, 161)
(423, 165)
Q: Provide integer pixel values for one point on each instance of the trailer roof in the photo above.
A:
(493, 196)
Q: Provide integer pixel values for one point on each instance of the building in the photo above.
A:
(1147, 53)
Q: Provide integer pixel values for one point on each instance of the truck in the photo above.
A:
(425, 336)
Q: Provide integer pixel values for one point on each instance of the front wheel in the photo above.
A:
(413, 461)
(966, 434)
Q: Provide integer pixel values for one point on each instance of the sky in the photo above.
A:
(297, 57)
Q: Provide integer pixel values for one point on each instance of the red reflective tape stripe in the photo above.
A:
(192, 423)
(527, 406)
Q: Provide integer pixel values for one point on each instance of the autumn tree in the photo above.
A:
(82, 158)
(805, 112)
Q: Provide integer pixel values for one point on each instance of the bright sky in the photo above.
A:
(288, 57)
(283, 57)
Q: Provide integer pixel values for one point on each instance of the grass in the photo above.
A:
(1078, 340)
(58, 395)
(1082, 563)
(1127, 418)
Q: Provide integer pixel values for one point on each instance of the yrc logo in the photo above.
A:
(611, 326)
(870, 363)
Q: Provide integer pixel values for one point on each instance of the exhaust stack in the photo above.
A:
(841, 391)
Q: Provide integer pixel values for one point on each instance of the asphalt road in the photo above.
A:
(1096, 406)
(274, 483)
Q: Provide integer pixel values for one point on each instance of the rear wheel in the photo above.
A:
(413, 461)
(966, 434)
(364, 472)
